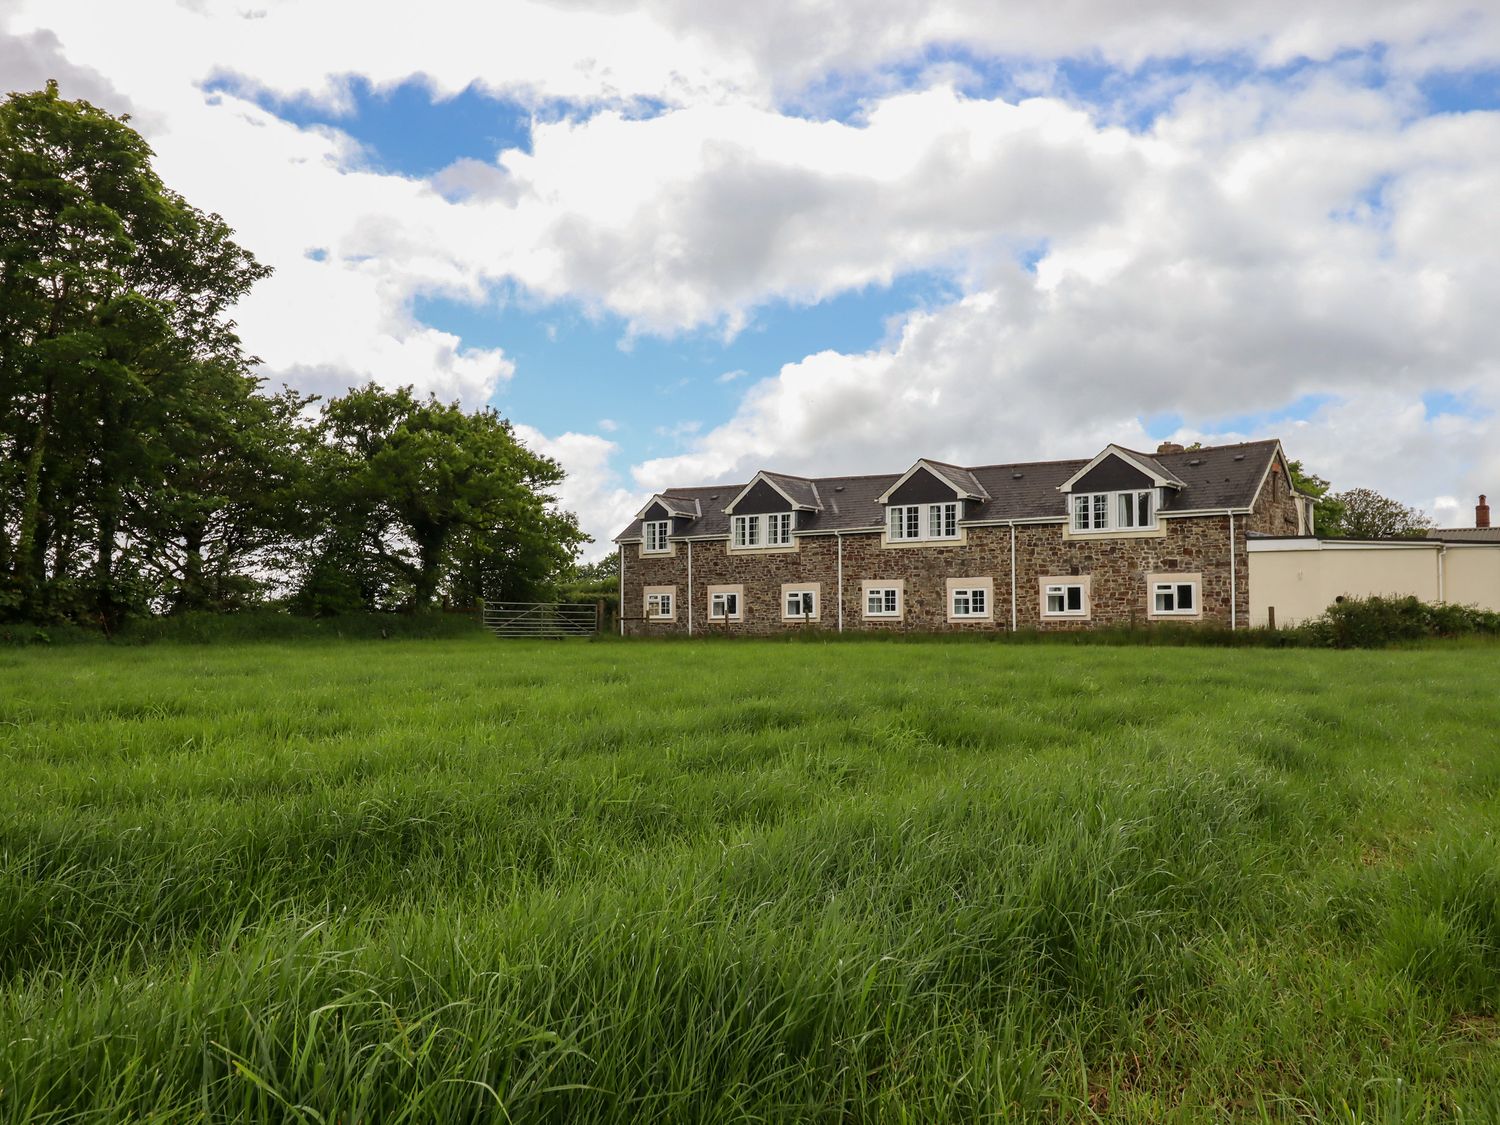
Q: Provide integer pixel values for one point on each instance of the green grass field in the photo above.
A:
(569, 882)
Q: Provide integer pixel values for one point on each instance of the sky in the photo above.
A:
(678, 241)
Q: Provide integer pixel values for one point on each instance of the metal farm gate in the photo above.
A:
(542, 619)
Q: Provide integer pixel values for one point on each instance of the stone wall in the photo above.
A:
(1117, 569)
(1275, 510)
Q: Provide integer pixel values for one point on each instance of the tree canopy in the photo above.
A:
(143, 467)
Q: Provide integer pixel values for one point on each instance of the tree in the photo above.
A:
(1328, 511)
(114, 299)
(1365, 514)
(419, 498)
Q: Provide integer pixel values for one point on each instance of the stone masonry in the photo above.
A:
(1117, 570)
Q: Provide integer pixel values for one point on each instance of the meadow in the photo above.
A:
(469, 880)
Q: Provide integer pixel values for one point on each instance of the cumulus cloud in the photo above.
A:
(1235, 270)
(593, 490)
(1259, 243)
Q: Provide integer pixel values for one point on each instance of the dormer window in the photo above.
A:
(773, 529)
(923, 521)
(1134, 510)
(656, 536)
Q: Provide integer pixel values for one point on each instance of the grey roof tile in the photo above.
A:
(1216, 477)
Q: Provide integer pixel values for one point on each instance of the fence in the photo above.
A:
(542, 619)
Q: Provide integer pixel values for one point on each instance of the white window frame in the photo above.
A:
(656, 532)
(761, 531)
(1059, 586)
(968, 596)
(718, 599)
(746, 532)
(665, 608)
(908, 523)
(779, 527)
(890, 600)
(1172, 584)
(807, 605)
(1098, 513)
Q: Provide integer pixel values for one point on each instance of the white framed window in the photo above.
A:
(1065, 597)
(779, 529)
(771, 530)
(726, 603)
(747, 531)
(970, 601)
(1174, 595)
(1174, 598)
(1133, 510)
(660, 605)
(656, 536)
(882, 601)
(922, 521)
(801, 601)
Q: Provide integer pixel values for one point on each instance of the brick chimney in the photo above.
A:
(1481, 513)
(1169, 447)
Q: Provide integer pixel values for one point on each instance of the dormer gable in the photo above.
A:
(775, 492)
(661, 507)
(932, 482)
(1117, 469)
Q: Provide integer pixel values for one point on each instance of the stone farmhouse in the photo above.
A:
(1122, 538)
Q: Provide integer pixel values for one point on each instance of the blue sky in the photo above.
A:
(655, 393)
(677, 245)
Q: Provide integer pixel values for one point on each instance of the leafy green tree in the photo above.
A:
(1328, 510)
(422, 499)
(1365, 514)
(114, 299)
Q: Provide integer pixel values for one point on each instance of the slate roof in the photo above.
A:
(678, 507)
(800, 489)
(1465, 534)
(1215, 477)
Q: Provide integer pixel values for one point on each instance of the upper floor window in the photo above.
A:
(1115, 511)
(772, 530)
(656, 535)
(923, 521)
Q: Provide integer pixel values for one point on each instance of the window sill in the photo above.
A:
(1157, 532)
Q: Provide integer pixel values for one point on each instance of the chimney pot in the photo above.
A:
(1482, 512)
(1169, 447)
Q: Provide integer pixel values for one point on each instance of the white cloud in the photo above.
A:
(1262, 242)
(593, 490)
(608, 425)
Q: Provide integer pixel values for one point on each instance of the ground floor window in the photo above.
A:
(1174, 595)
(799, 604)
(971, 598)
(1064, 596)
(971, 602)
(659, 605)
(726, 603)
(882, 601)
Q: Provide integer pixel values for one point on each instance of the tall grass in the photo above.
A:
(472, 880)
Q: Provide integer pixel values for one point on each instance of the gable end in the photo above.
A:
(1113, 474)
(922, 487)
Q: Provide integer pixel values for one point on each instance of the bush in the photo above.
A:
(1378, 621)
